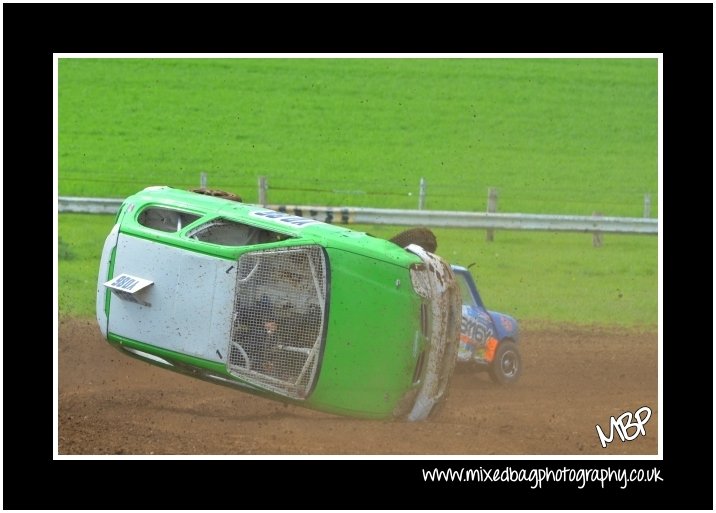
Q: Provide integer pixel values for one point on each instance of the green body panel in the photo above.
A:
(108, 294)
(373, 337)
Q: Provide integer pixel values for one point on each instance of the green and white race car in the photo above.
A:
(279, 305)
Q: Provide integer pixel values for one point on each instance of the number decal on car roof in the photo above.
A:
(297, 221)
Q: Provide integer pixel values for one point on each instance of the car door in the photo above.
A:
(186, 305)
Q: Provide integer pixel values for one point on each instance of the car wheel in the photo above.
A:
(423, 237)
(506, 367)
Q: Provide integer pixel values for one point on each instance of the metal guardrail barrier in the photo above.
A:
(450, 219)
(72, 204)
(428, 218)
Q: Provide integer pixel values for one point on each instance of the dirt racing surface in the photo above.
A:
(574, 379)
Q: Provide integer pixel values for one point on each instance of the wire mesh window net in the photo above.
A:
(278, 318)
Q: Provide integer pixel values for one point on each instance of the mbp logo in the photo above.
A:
(623, 423)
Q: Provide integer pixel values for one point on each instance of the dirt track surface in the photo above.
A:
(573, 380)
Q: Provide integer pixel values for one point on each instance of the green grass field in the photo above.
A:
(569, 136)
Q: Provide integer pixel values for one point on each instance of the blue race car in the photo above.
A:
(488, 340)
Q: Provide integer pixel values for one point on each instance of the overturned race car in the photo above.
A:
(278, 305)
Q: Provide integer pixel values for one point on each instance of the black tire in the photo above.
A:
(506, 367)
(423, 237)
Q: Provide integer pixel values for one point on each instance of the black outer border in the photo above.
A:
(32, 33)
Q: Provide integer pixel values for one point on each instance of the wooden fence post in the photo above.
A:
(421, 197)
(263, 186)
(647, 205)
(491, 207)
(597, 236)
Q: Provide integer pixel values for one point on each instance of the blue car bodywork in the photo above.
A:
(488, 339)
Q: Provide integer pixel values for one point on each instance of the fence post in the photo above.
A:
(263, 186)
(491, 208)
(647, 205)
(202, 180)
(421, 197)
(597, 236)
